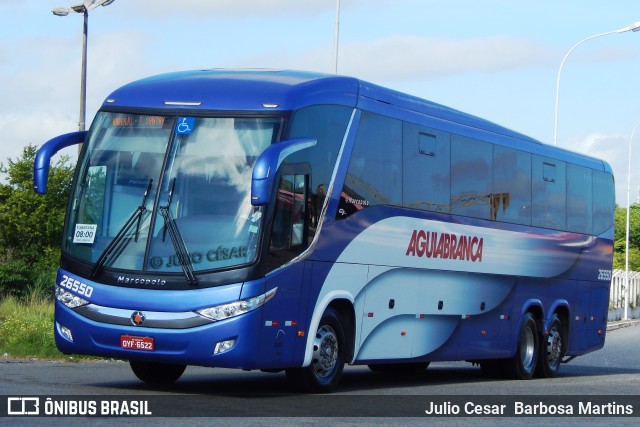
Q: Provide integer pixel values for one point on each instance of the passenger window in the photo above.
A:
(579, 199)
(374, 176)
(471, 177)
(549, 172)
(549, 198)
(603, 201)
(326, 124)
(427, 144)
(511, 196)
(426, 160)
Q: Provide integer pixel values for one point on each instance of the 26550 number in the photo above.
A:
(76, 286)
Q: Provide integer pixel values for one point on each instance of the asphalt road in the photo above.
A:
(231, 397)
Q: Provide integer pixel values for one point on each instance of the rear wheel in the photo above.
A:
(551, 351)
(523, 364)
(157, 373)
(327, 363)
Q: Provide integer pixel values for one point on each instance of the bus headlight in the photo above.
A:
(225, 311)
(69, 299)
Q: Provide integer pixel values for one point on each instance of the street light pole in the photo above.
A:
(83, 73)
(336, 38)
(633, 27)
(83, 8)
(626, 255)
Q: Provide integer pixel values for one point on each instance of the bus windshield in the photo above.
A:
(153, 190)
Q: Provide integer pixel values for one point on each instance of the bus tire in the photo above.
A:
(522, 365)
(551, 351)
(157, 373)
(327, 362)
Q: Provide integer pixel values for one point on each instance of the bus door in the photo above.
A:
(290, 236)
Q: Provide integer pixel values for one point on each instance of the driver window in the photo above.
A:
(290, 224)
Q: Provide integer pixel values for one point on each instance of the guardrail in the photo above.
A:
(617, 295)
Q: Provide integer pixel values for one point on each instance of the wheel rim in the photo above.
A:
(325, 351)
(527, 350)
(554, 348)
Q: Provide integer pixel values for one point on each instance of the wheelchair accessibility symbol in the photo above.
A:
(184, 125)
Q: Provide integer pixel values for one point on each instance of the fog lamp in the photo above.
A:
(64, 332)
(224, 346)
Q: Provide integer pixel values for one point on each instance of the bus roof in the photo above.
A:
(236, 90)
(285, 90)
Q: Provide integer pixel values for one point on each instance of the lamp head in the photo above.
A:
(635, 27)
(60, 11)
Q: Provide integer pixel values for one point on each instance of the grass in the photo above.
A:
(26, 328)
(26, 323)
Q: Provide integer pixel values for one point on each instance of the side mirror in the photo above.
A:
(266, 167)
(44, 154)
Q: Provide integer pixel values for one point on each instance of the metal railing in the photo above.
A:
(617, 294)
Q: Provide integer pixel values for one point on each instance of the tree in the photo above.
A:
(32, 224)
(620, 244)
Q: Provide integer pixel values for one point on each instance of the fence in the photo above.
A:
(618, 292)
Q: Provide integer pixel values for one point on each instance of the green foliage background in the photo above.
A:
(620, 238)
(31, 225)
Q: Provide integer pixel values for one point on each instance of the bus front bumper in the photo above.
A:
(228, 343)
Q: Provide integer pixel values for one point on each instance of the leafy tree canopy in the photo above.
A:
(32, 224)
(621, 239)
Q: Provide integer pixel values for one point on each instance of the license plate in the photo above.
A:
(137, 343)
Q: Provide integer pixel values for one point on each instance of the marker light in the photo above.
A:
(226, 311)
(68, 299)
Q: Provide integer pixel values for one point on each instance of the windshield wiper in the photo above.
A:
(176, 239)
(118, 241)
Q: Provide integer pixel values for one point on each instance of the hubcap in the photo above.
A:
(325, 351)
(554, 348)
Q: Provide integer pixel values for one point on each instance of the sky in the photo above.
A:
(497, 59)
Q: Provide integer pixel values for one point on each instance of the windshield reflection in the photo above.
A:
(208, 160)
(210, 167)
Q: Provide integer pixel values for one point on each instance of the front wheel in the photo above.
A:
(157, 373)
(551, 351)
(327, 362)
(522, 365)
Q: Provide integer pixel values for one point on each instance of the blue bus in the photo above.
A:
(292, 221)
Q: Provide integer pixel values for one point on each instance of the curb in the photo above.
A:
(618, 324)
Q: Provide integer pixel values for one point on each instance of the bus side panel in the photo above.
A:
(412, 313)
(484, 336)
(331, 282)
(598, 314)
(588, 303)
(388, 322)
(281, 316)
(312, 270)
